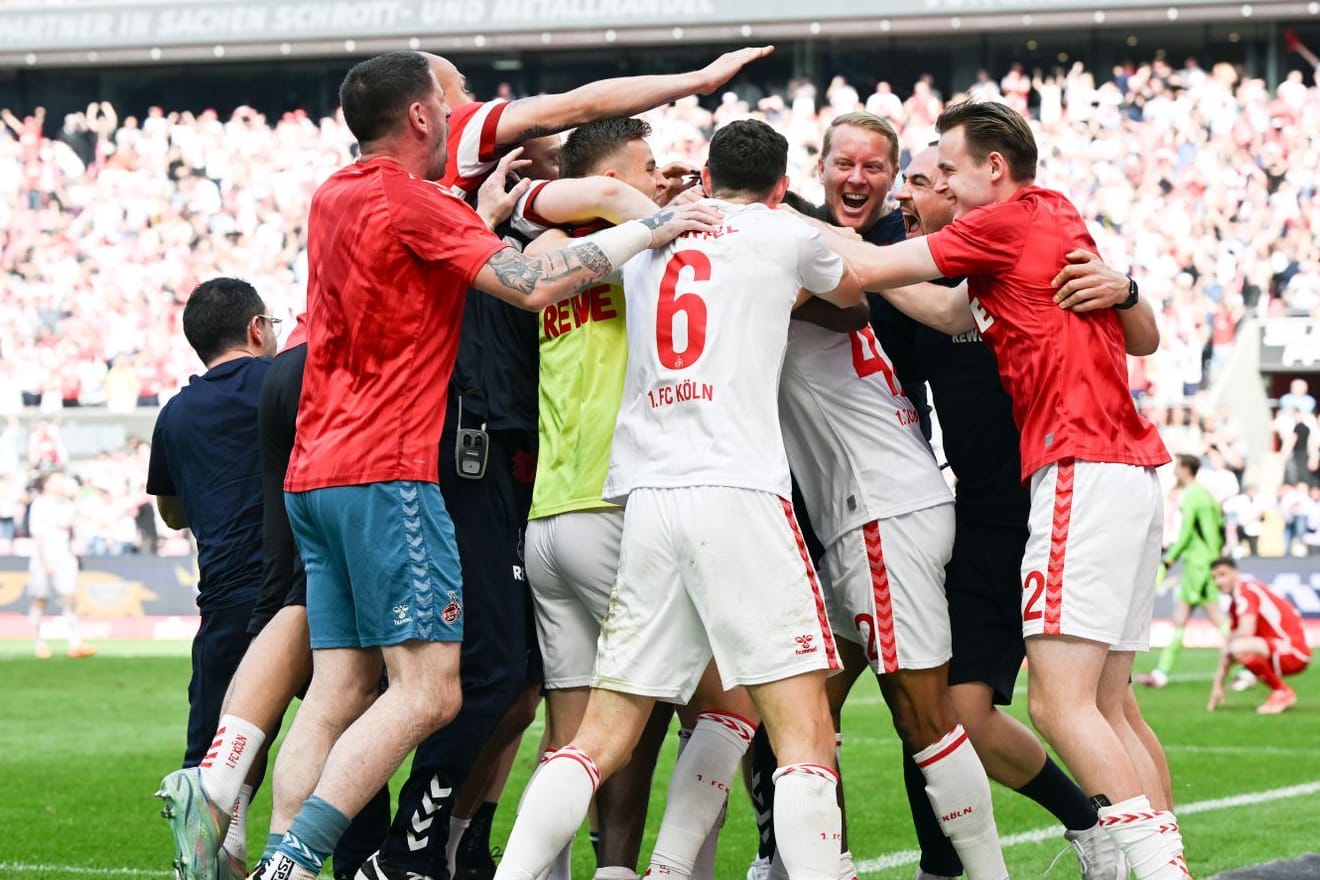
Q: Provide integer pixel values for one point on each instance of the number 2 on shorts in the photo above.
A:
(1036, 583)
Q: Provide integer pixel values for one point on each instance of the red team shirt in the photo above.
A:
(1276, 619)
(391, 257)
(1066, 373)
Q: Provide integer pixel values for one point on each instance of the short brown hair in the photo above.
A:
(591, 144)
(1191, 462)
(870, 122)
(991, 127)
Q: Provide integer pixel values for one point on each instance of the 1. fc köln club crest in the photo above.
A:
(451, 612)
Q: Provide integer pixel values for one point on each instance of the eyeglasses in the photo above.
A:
(274, 321)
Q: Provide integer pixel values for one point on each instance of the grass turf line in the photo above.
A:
(84, 743)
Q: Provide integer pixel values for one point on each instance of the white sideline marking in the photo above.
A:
(912, 856)
(25, 868)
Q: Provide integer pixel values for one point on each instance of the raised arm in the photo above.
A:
(620, 96)
(534, 282)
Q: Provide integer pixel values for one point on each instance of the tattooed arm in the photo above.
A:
(538, 116)
(534, 282)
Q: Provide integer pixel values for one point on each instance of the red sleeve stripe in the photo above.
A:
(529, 205)
(488, 150)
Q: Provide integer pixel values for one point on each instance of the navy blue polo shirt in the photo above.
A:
(205, 451)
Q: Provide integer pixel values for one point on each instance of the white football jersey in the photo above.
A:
(707, 325)
(853, 438)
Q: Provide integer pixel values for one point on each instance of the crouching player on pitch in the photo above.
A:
(1267, 638)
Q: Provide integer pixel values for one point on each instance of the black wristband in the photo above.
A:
(1132, 296)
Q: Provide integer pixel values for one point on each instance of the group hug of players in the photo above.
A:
(691, 343)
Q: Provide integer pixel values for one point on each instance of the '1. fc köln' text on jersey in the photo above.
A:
(707, 326)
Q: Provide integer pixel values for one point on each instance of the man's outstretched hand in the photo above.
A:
(726, 67)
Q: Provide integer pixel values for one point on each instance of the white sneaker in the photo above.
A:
(1156, 678)
(1245, 680)
(759, 869)
(1098, 856)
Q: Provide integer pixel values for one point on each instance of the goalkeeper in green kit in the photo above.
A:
(1200, 542)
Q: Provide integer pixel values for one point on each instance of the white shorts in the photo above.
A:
(1093, 553)
(572, 560)
(885, 589)
(63, 578)
(711, 571)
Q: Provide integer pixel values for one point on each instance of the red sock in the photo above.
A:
(1263, 669)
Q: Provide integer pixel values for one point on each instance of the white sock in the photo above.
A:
(1169, 828)
(71, 628)
(847, 870)
(35, 615)
(236, 746)
(1153, 850)
(545, 756)
(236, 837)
(553, 807)
(456, 828)
(698, 790)
(615, 872)
(562, 866)
(959, 791)
(703, 867)
(808, 826)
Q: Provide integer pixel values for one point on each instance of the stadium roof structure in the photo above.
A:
(92, 33)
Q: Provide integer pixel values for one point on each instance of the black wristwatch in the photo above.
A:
(1132, 296)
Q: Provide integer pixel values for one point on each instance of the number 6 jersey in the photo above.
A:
(707, 326)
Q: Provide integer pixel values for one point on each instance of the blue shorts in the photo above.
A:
(382, 565)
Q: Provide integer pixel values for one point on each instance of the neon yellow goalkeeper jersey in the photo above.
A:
(584, 356)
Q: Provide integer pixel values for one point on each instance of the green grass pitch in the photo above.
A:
(83, 744)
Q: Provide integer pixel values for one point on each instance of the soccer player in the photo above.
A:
(479, 134)
(885, 515)
(983, 581)
(711, 560)
(608, 174)
(53, 567)
(391, 256)
(205, 472)
(1267, 637)
(1095, 519)
(1200, 542)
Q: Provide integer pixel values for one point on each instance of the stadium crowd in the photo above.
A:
(1204, 179)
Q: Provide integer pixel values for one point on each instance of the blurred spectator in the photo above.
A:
(1298, 398)
(1294, 503)
(1312, 536)
(884, 103)
(1243, 522)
